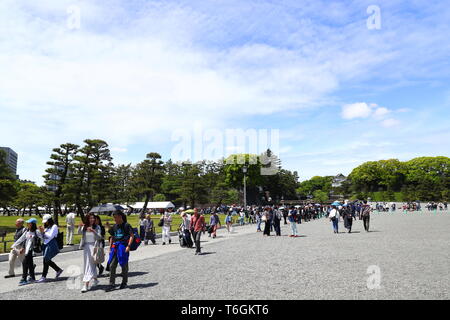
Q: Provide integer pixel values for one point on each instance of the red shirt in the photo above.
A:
(198, 223)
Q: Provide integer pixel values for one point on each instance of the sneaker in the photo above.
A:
(41, 280)
(95, 283)
(122, 286)
(31, 280)
(59, 273)
(84, 289)
(23, 282)
(10, 276)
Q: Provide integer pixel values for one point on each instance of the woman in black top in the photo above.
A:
(98, 222)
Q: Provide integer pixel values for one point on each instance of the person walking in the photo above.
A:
(185, 228)
(90, 243)
(292, 218)
(198, 226)
(15, 254)
(258, 221)
(122, 237)
(334, 218)
(267, 218)
(149, 230)
(366, 215)
(214, 222)
(49, 233)
(229, 222)
(70, 228)
(142, 223)
(277, 216)
(348, 218)
(26, 243)
(285, 216)
(98, 222)
(167, 224)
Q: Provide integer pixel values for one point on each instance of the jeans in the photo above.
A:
(197, 235)
(258, 226)
(276, 226)
(47, 264)
(335, 225)
(142, 232)
(113, 267)
(366, 220)
(294, 228)
(28, 266)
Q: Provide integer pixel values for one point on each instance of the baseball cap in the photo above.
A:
(46, 217)
(32, 220)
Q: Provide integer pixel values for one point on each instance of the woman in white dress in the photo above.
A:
(91, 239)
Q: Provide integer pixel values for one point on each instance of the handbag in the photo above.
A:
(161, 223)
(99, 255)
(264, 218)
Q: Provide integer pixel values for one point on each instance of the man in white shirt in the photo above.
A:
(70, 220)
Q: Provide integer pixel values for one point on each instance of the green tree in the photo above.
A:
(320, 196)
(8, 184)
(147, 177)
(159, 197)
(57, 175)
(192, 187)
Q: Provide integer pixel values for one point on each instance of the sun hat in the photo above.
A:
(46, 217)
(32, 220)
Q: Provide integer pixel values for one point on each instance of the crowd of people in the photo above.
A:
(32, 239)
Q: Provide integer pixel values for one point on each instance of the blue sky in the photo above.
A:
(135, 72)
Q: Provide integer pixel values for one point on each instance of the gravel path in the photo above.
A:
(411, 252)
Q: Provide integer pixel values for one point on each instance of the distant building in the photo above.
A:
(27, 181)
(338, 180)
(11, 159)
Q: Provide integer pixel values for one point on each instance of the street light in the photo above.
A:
(244, 170)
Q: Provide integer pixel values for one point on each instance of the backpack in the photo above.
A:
(136, 241)
(60, 240)
(37, 246)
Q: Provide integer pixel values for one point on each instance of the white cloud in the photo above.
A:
(381, 112)
(356, 110)
(136, 70)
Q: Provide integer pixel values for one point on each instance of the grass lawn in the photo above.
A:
(7, 224)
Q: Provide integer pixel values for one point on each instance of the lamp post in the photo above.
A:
(244, 170)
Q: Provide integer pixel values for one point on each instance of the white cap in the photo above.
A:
(46, 217)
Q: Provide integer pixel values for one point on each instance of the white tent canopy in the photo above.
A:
(152, 205)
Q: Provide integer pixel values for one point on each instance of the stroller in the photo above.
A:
(185, 239)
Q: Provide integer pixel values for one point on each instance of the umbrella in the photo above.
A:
(336, 203)
(297, 206)
(189, 211)
(106, 208)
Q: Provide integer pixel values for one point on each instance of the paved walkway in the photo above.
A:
(410, 251)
